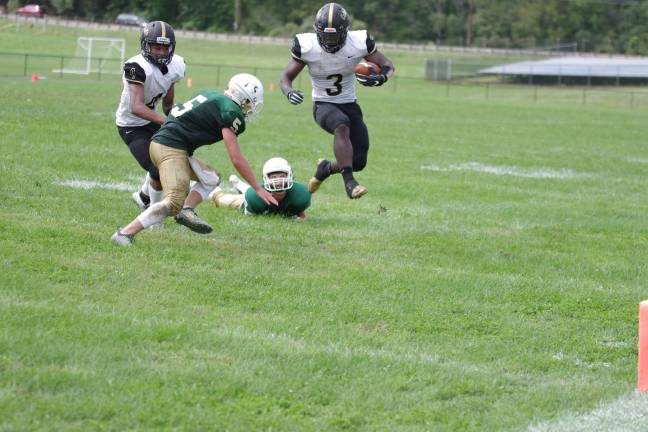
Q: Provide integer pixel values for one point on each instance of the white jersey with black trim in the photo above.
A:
(156, 85)
(333, 74)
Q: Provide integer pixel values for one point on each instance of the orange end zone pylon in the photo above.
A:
(642, 373)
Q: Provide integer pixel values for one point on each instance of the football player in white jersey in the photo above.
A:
(148, 78)
(331, 54)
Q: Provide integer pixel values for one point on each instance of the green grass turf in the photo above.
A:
(475, 301)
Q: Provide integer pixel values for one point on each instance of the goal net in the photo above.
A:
(96, 55)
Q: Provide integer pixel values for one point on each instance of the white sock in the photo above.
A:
(154, 214)
(144, 189)
(241, 186)
(156, 195)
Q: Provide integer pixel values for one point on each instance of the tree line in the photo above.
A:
(619, 26)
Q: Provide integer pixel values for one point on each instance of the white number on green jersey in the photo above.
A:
(187, 106)
(235, 125)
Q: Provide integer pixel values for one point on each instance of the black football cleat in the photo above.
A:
(355, 190)
(322, 172)
(191, 220)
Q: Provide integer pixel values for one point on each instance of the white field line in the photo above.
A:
(629, 413)
(638, 160)
(578, 362)
(541, 173)
(290, 344)
(91, 184)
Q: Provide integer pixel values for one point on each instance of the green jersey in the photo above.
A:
(199, 121)
(297, 200)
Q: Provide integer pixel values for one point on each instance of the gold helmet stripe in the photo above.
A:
(163, 28)
(330, 17)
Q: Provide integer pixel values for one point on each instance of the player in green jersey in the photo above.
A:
(293, 198)
(207, 118)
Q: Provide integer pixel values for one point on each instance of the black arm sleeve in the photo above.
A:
(371, 44)
(295, 49)
(134, 73)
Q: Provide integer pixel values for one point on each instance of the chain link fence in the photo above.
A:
(459, 84)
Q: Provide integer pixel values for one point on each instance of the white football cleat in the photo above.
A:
(122, 239)
(238, 184)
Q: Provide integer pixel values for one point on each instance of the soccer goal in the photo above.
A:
(96, 55)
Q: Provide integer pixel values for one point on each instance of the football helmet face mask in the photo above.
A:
(161, 33)
(331, 26)
(277, 175)
(247, 91)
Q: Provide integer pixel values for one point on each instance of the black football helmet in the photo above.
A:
(331, 26)
(157, 32)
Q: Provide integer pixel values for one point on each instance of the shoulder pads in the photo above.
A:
(134, 73)
(303, 44)
(178, 67)
(362, 40)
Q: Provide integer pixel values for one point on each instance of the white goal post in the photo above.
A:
(96, 55)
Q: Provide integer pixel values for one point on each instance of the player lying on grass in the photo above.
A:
(209, 117)
(292, 198)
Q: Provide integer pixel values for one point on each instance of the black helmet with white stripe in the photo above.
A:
(161, 33)
(331, 26)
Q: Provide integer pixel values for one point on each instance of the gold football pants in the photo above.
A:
(175, 174)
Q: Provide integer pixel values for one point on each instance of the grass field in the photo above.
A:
(489, 281)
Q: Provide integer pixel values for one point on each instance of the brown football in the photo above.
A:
(367, 68)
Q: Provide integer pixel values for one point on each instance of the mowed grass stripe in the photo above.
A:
(215, 329)
(162, 348)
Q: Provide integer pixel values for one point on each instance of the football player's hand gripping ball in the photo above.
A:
(373, 80)
(295, 97)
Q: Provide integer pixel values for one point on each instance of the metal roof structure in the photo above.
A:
(603, 67)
